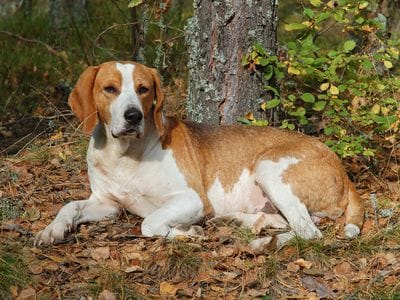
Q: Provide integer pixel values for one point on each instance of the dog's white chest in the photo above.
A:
(142, 186)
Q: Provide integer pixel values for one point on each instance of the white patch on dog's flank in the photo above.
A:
(126, 99)
(269, 176)
(238, 199)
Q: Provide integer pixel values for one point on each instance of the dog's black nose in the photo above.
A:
(133, 116)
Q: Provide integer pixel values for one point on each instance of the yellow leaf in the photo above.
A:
(316, 3)
(294, 71)
(376, 109)
(363, 5)
(62, 155)
(385, 111)
(334, 90)
(307, 23)
(324, 86)
(367, 28)
(249, 116)
(57, 136)
(264, 106)
(388, 64)
(331, 4)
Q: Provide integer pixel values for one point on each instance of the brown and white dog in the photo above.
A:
(172, 172)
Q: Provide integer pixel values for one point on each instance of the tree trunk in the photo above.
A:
(220, 34)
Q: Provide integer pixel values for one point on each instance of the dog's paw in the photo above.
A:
(185, 230)
(54, 232)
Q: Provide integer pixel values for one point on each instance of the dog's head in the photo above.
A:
(119, 94)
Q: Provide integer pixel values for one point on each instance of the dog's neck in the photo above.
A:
(127, 145)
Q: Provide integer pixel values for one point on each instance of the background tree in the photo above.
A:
(220, 34)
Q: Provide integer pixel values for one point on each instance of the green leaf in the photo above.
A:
(319, 105)
(295, 26)
(268, 72)
(308, 97)
(272, 89)
(134, 3)
(328, 131)
(272, 103)
(259, 48)
(308, 13)
(322, 17)
(367, 65)
(263, 61)
(278, 73)
(243, 120)
(348, 46)
(299, 112)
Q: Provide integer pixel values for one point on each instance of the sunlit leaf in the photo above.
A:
(388, 64)
(363, 4)
(334, 90)
(376, 109)
(323, 87)
(308, 97)
(294, 71)
(319, 105)
(272, 103)
(316, 3)
(349, 45)
(295, 26)
(133, 3)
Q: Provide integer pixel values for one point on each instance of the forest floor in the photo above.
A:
(111, 260)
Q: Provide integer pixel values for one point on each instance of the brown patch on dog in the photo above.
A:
(82, 102)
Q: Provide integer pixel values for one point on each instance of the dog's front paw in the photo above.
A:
(54, 232)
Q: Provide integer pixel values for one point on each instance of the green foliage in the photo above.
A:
(349, 92)
(39, 61)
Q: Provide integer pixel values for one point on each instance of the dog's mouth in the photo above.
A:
(127, 132)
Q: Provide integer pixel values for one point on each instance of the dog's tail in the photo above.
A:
(354, 214)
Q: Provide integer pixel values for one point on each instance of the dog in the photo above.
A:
(174, 173)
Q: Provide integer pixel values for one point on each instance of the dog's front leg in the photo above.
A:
(168, 220)
(73, 214)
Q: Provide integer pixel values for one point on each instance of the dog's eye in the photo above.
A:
(143, 90)
(110, 89)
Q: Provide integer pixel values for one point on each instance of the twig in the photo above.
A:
(374, 204)
(47, 46)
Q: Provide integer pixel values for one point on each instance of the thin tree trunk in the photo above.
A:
(220, 34)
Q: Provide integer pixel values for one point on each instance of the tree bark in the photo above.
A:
(219, 35)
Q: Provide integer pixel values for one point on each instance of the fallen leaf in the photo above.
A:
(303, 263)
(100, 253)
(168, 289)
(292, 267)
(107, 295)
(35, 268)
(27, 294)
(343, 269)
(317, 285)
(226, 252)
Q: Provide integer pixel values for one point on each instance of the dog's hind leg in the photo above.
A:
(73, 214)
(269, 175)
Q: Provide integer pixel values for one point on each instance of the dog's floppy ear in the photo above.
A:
(81, 100)
(158, 118)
